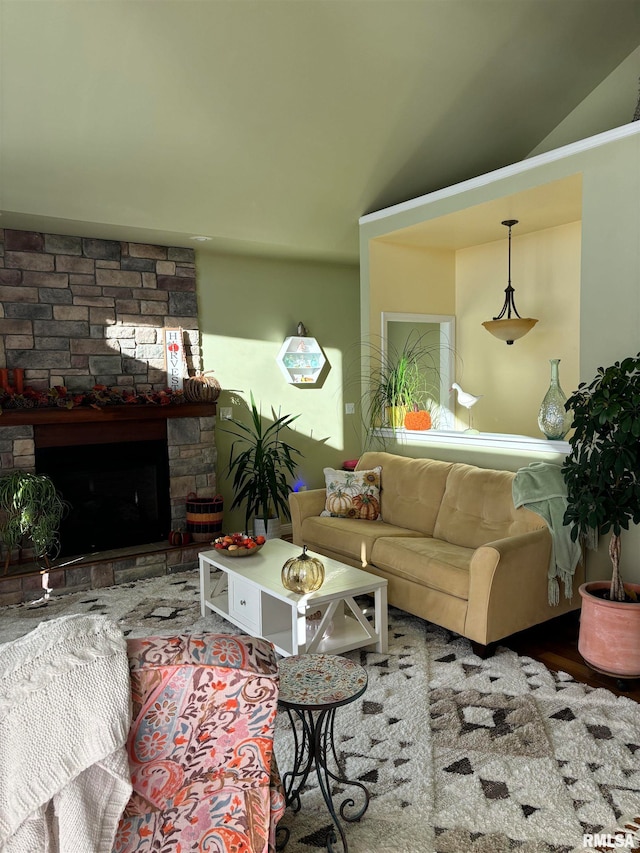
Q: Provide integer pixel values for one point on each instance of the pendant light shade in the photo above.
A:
(509, 325)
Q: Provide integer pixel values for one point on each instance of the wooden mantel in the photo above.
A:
(104, 414)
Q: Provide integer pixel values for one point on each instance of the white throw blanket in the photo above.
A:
(65, 712)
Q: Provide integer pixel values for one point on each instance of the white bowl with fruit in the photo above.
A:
(238, 544)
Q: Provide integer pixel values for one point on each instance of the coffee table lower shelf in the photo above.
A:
(347, 633)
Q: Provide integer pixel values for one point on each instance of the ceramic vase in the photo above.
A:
(395, 416)
(553, 419)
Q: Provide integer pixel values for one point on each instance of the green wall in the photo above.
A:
(247, 307)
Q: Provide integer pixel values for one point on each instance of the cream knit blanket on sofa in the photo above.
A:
(64, 718)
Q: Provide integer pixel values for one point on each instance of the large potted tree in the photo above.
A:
(602, 474)
(261, 463)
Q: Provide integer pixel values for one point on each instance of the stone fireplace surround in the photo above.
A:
(78, 312)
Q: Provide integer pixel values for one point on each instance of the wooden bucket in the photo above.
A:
(204, 517)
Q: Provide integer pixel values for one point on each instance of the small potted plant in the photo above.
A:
(259, 462)
(602, 474)
(400, 380)
(31, 507)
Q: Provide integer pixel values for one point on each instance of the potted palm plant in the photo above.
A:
(259, 462)
(400, 380)
(602, 474)
(31, 507)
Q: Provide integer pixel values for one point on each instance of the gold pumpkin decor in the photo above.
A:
(202, 388)
(302, 574)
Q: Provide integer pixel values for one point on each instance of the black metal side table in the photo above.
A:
(312, 687)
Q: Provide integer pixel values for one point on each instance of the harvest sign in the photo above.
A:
(174, 358)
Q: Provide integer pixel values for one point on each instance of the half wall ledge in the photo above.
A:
(485, 449)
(487, 440)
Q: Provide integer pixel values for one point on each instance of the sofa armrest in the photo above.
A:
(303, 505)
(508, 586)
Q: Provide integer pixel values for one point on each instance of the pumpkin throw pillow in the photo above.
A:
(352, 494)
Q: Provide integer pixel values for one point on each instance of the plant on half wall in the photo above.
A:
(602, 471)
(399, 380)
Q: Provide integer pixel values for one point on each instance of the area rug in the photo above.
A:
(460, 755)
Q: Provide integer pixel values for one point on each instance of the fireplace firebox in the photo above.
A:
(115, 476)
(118, 493)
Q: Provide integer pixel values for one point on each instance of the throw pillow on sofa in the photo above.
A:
(352, 494)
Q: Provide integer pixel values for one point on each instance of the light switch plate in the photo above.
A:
(226, 413)
(349, 408)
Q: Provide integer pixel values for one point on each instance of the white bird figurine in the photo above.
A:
(465, 399)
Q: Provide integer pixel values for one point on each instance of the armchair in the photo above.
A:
(201, 746)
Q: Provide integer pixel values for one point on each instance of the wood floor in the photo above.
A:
(555, 644)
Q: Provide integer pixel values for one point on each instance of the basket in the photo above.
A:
(204, 516)
(202, 388)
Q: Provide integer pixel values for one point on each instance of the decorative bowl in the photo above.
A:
(241, 552)
(234, 545)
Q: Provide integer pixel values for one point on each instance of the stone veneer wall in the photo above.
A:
(78, 312)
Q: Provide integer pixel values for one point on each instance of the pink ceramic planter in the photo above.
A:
(609, 638)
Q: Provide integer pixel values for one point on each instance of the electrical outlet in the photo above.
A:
(226, 413)
(349, 408)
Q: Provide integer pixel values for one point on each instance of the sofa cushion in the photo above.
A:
(426, 561)
(412, 489)
(477, 507)
(349, 537)
(352, 494)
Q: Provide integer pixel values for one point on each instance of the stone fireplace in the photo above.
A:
(76, 312)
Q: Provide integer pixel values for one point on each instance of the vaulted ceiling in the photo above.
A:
(270, 126)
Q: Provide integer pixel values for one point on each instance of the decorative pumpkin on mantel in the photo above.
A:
(178, 538)
(202, 388)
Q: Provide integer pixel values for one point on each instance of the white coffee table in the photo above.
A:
(248, 592)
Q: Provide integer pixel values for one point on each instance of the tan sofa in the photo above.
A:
(451, 544)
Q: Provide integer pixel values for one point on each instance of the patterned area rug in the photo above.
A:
(460, 755)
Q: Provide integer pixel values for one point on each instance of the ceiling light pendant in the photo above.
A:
(506, 327)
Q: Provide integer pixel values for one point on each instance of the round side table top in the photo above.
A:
(318, 682)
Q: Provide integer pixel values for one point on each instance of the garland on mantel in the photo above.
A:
(98, 397)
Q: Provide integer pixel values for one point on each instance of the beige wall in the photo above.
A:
(470, 284)
(409, 279)
(545, 272)
(247, 307)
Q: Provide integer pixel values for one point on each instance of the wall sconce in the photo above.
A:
(509, 328)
